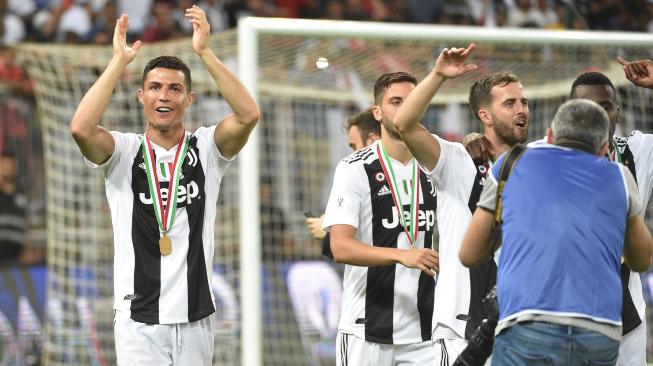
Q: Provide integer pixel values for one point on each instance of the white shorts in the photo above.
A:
(353, 351)
(163, 344)
(632, 348)
(448, 350)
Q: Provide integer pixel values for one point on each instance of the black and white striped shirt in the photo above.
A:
(152, 288)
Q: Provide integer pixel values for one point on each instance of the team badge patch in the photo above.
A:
(380, 177)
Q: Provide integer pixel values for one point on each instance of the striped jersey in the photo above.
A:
(457, 182)
(636, 153)
(152, 288)
(388, 304)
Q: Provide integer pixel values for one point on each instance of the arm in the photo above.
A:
(474, 248)
(348, 250)
(638, 72)
(232, 132)
(638, 245)
(95, 142)
(450, 64)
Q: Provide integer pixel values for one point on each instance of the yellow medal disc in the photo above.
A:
(165, 245)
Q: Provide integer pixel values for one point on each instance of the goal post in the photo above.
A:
(581, 51)
(278, 302)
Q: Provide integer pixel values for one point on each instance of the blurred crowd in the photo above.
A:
(92, 21)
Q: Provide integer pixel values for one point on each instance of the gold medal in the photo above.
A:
(165, 245)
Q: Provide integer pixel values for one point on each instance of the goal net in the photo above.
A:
(299, 141)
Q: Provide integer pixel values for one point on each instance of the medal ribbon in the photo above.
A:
(165, 216)
(412, 227)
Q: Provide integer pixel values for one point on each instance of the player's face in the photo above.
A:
(509, 112)
(355, 139)
(390, 103)
(165, 98)
(604, 96)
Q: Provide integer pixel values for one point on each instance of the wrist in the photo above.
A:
(206, 52)
(118, 61)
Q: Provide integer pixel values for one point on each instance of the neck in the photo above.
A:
(498, 146)
(396, 149)
(167, 139)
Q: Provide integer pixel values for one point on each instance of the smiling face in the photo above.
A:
(165, 98)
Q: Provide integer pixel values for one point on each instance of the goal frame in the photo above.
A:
(249, 31)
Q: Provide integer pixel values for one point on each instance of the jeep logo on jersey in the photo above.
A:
(425, 220)
(184, 193)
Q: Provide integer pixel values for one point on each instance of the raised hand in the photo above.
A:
(201, 28)
(120, 48)
(426, 260)
(451, 62)
(638, 72)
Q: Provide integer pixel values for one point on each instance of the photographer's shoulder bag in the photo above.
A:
(506, 168)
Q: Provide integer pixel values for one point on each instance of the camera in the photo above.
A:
(480, 344)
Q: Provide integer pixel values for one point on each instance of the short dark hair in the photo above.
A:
(590, 78)
(480, 94)
(365, 122)
(384, 81)
(167, 62)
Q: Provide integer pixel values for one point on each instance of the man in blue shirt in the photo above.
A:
(569, 215)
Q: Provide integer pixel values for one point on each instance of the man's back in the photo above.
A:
(555, 256)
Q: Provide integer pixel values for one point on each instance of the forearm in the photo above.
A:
(475, 246)
(96, 100)
(353, 252)
(414, 107)
(233, 91)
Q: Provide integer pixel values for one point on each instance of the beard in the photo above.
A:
(390, 128)
(508, 133)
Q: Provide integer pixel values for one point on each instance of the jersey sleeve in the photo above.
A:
(344, 203)
(122, 144)
(489, 195)
(454, 170)
(634, 202)
(206, 140)
(641, 145)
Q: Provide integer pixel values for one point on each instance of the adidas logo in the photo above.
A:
(383, 191)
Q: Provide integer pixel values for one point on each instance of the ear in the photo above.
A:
(485, 117)
(549, 136)
(191, 98)
(603, 150)
(139, 94)
(376, 111)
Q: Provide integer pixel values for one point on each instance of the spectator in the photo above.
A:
(568, 215)
(163, 25)
(523, 15)
(13, 29)
(12, 211)
(102, 30)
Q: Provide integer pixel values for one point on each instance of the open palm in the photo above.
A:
(120, 47)
(451, 62)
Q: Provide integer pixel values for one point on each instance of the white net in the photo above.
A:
(303, 108)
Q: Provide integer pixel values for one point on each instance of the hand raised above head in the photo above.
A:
(121, 49)
(201, 28)
(451, 62)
